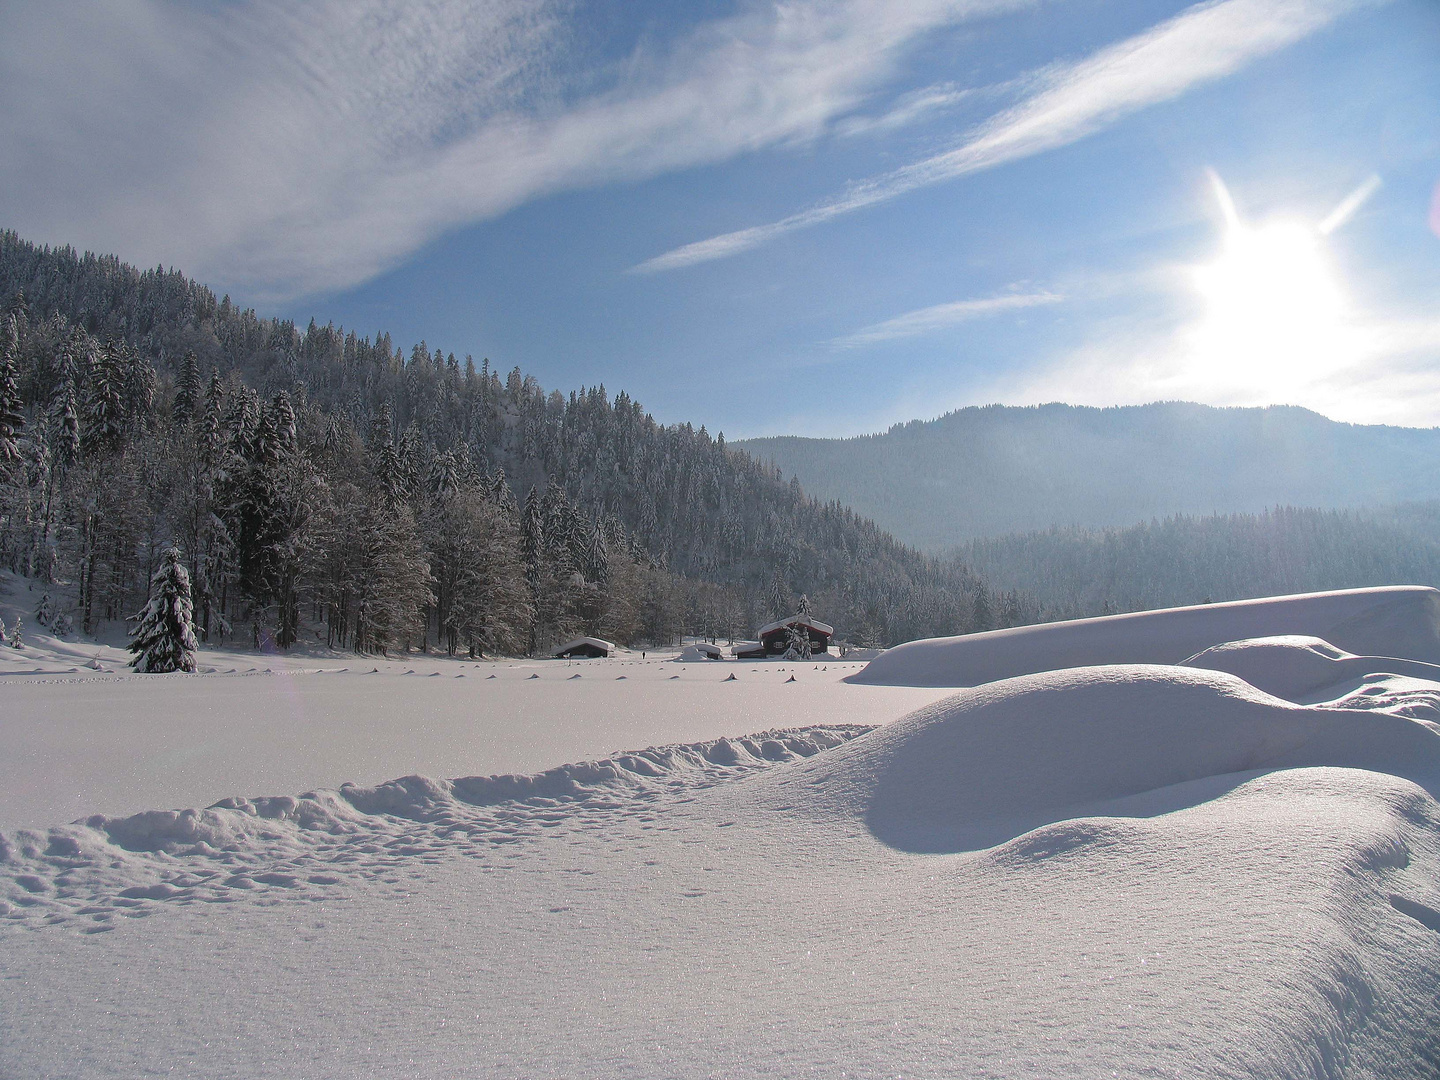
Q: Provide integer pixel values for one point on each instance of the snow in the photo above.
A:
(1399, 621)
(796, 620)
(1222, 864)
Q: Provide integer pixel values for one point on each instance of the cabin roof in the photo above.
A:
(797, 620)
(594, 642)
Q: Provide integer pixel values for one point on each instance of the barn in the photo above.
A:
(585, 648)
(775, 638)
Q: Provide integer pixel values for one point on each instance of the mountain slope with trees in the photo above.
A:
(1192, 560)
(996, 470)
(316, 478)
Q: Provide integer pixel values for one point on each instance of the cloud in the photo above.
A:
(305, 146)
(908, 109)
(940, 316)
(1204, 43)
(1377, 367)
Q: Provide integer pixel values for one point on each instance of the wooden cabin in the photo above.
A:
(585, 648)
(775, 638)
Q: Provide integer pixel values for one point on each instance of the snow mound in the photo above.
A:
(994, 762)
(1297, 667)
(90, 866)
(1398, 621)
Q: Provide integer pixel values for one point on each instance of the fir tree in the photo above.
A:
(104, 431)
(12, 417)
(164, 640)
(187, 391)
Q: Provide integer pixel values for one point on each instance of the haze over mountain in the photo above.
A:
(992, 470)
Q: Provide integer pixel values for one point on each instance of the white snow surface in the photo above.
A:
(1223, 865)
(1398, 621)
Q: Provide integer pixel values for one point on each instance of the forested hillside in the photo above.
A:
(318, 481)
(995, 470)
(1192, 560)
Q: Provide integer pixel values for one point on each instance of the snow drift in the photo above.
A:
(996, 761)
(1398, 621)
(281, 840)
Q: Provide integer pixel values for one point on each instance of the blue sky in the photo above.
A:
(810, 218)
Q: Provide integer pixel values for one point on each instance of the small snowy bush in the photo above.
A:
(43, 614)
(165, 638)
(16, 640)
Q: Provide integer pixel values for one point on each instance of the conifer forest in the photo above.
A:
(339, 488)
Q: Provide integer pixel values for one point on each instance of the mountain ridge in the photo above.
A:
(991, 470)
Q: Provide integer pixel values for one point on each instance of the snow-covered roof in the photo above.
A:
(800, 620)
(594, 642)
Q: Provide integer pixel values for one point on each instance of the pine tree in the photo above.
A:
(164, 640)
(12, 416)
(187, 391)
(777, 597)
(104, 431)
(64, 427)
(797, 643)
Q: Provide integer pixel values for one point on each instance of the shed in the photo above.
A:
(587, 648)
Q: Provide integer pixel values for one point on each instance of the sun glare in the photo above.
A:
(1274, 311)
(1276, 321)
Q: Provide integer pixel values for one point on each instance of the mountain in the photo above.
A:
(1182, 560)
(396, 496)
(992, 470)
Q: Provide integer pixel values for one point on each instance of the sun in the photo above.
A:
(1274, 313)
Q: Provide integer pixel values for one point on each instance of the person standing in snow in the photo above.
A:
(165, 638)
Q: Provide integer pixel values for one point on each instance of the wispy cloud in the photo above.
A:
(908, 109)
(940, 316)
(302, 146)
(1350, 205)
(1204, 43)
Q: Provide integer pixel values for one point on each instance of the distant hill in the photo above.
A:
(1075, 573)
(998, 469)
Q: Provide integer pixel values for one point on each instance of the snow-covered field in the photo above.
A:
(1218, 862)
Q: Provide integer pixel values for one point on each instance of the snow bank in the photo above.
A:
(177, 854)
(1297, 667)
(996, 761)
(1399, 621)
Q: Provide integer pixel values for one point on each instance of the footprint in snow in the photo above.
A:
(534, 676)
(575, 676)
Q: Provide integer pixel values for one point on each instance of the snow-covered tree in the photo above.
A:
(12, 416)
(797, 642)
(164, 640)
(17, 638)
(187, 391)
(777, 597)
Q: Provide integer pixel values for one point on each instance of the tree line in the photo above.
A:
(322, 482)
(1184, 559)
